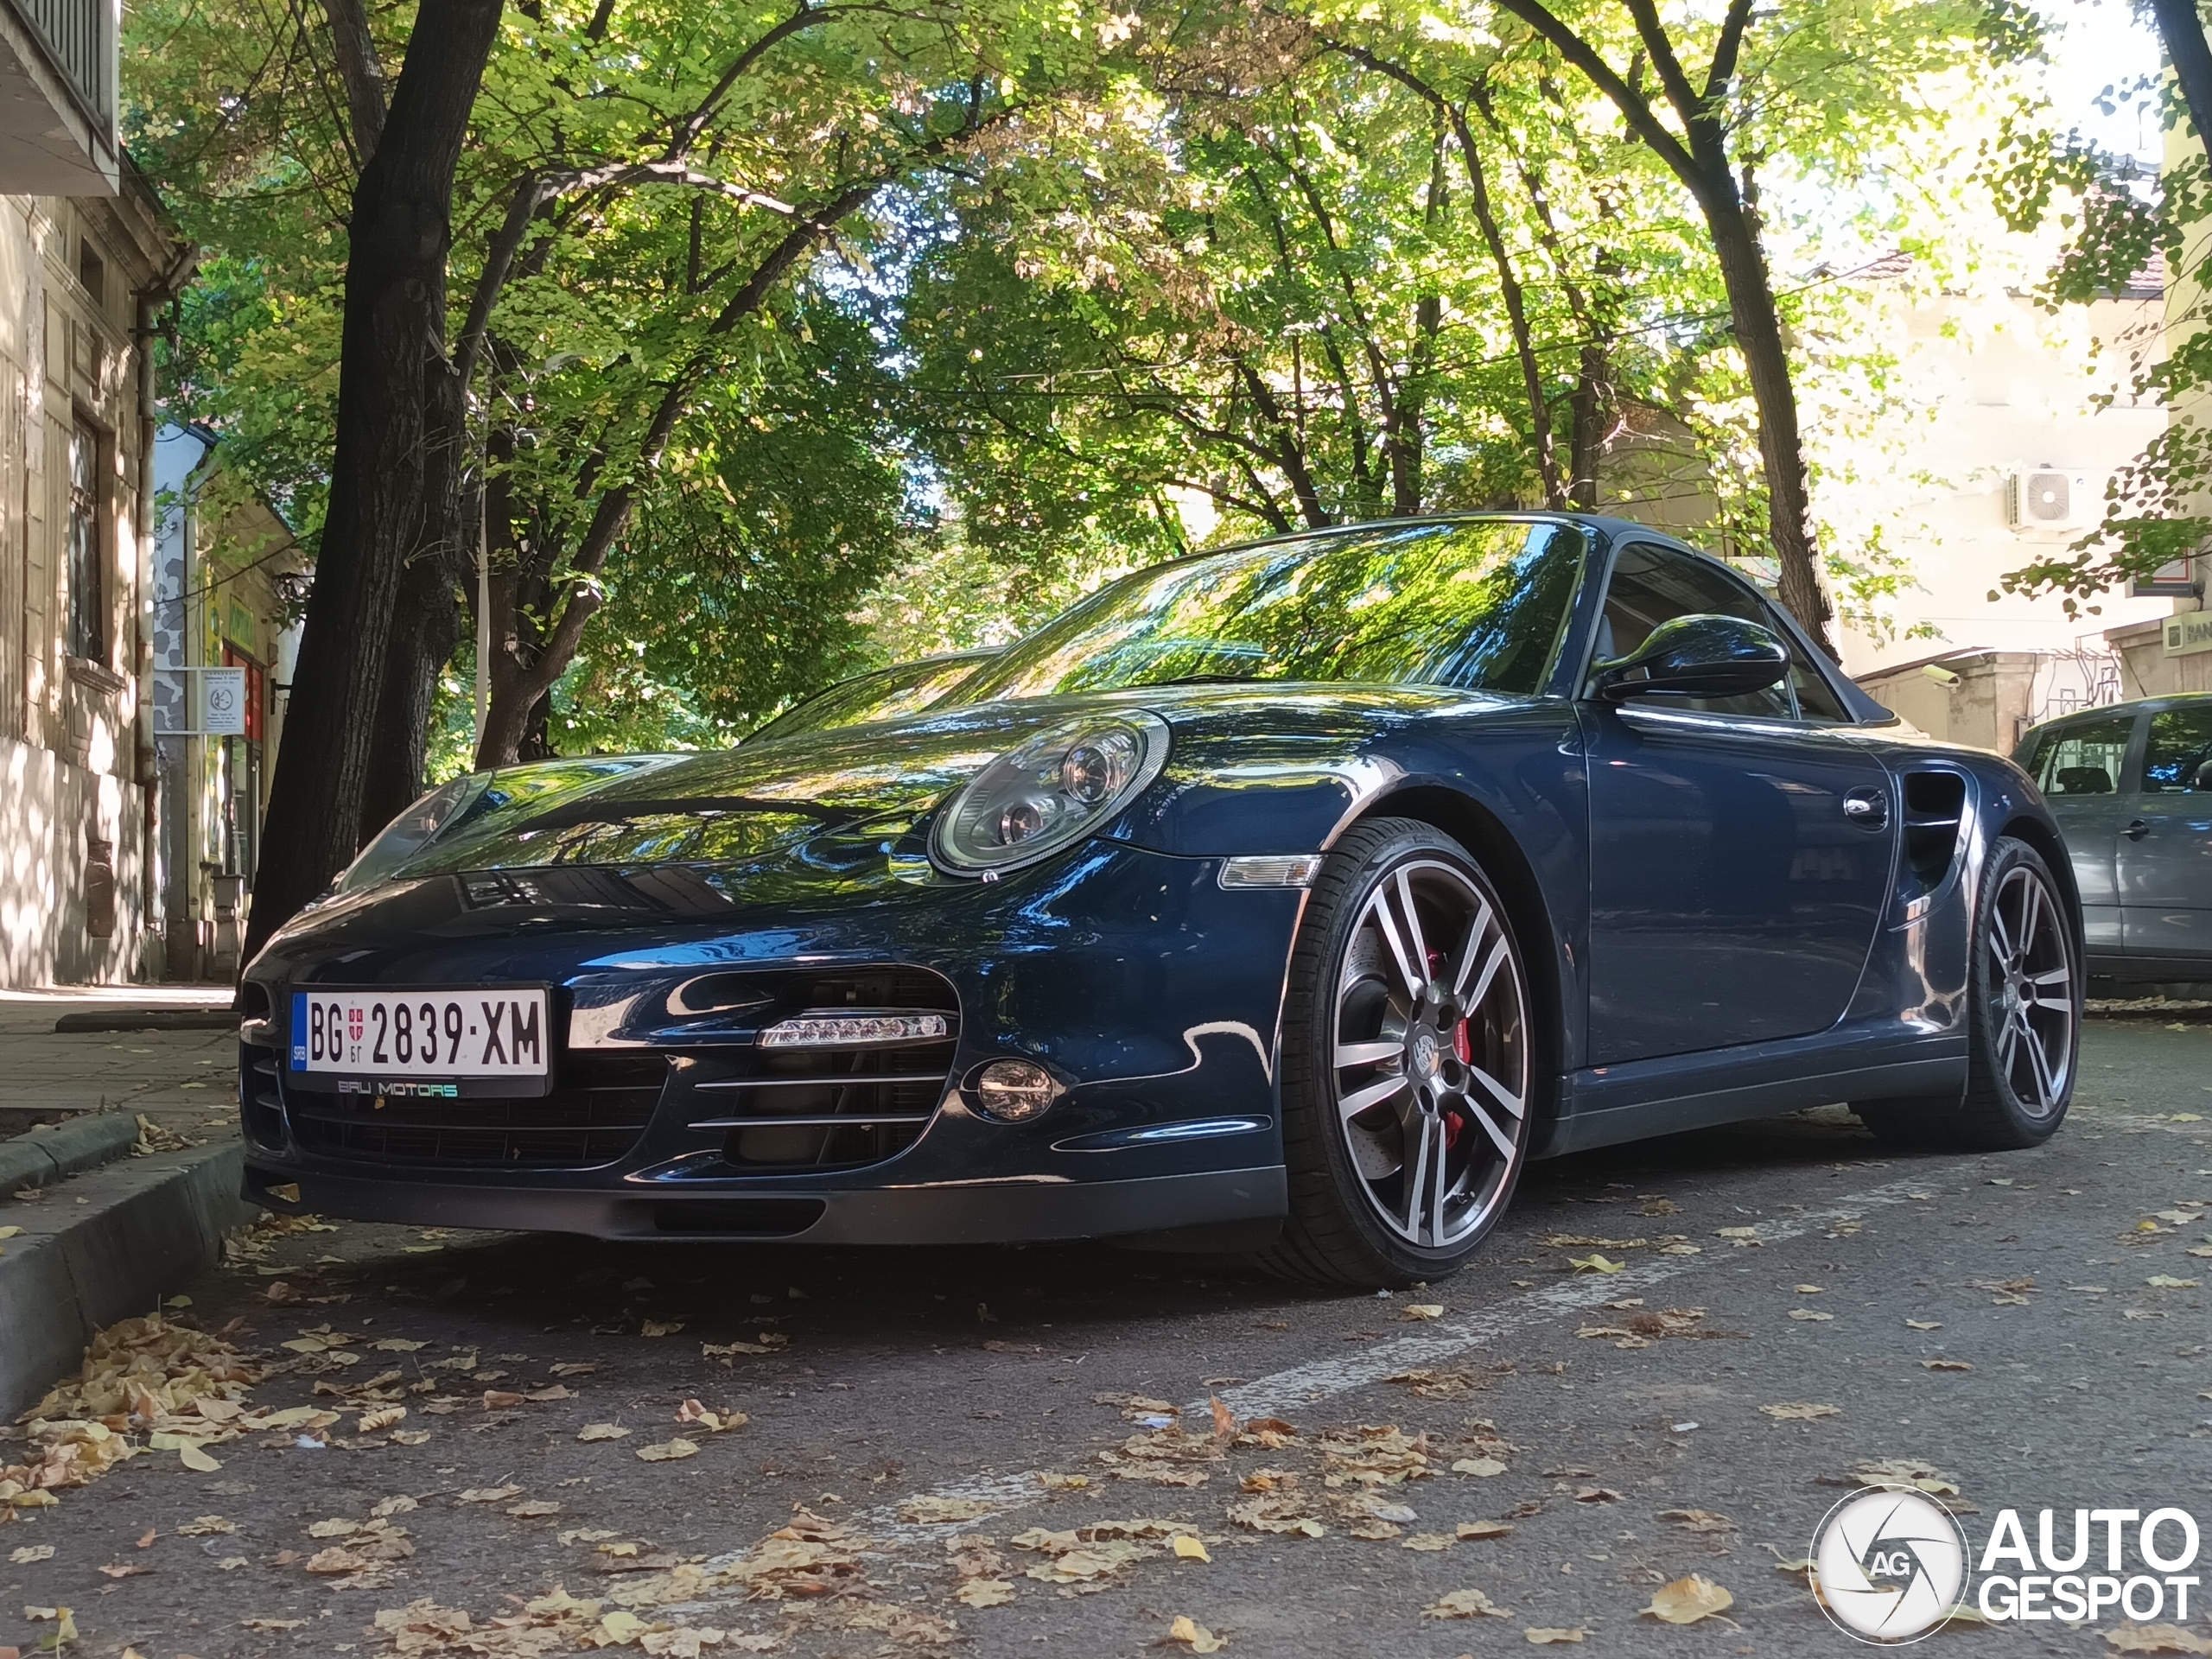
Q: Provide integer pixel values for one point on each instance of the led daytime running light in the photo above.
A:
(848, 1030)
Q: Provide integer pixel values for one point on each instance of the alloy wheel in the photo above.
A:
(1431, 1056)
(2031, 1015)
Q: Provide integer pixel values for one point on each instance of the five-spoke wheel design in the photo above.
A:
(1430, 1058)
(2030, 983)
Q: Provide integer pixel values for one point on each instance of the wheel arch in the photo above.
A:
(1471, 823)
(2051, 846)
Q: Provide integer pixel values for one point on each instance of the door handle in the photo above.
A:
(2136, 830)
(1867, 807)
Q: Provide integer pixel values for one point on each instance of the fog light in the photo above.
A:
(1014, 1091)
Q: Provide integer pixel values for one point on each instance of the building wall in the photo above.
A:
(74, 878)
(1991, 385)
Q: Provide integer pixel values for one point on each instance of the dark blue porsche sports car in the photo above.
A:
(1288, 899)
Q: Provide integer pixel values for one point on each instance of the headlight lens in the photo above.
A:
(411, 831)
(1058, 786)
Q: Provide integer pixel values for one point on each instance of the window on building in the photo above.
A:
(92, 271)
(87, 549)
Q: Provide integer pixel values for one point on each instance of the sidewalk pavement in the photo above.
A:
(183, 1080)
(108, 1242)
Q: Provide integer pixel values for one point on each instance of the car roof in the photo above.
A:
(2132, 707)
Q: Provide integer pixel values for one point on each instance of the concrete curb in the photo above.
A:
(146, 1226)
(150, 1019)
(40, 1157)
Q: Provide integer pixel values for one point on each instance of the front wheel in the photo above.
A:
(1409, 1072)
(2023, 1020)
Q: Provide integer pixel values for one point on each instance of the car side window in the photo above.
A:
(2177, 753)
(2084, 758)
(1652, 585)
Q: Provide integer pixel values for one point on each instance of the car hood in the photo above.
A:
(873, 784)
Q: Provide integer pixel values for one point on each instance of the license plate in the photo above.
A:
(472, 1041)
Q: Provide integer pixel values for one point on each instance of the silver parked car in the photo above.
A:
(2130, 787)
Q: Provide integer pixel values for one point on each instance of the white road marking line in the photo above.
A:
(1285, 1391)
(1300, 1385)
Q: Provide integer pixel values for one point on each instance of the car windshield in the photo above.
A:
(1477, 604)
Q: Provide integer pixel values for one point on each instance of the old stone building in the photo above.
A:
(87, 264)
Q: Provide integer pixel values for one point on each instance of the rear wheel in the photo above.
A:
(2023, 1020)
(1408, 1069)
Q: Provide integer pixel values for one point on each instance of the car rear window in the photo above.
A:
(2082, 759)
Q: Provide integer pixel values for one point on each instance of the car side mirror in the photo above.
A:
(1704, 656)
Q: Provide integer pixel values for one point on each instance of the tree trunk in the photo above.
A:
(2182, 30)
(425, 631)
(392, 358)
(1758, 335)
(1702, 164)
(1589, 407)
(355, 48)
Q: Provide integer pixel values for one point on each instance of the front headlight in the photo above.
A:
(1058, 787)
(411, 831)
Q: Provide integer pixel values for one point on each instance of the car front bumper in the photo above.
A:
(1153, 994)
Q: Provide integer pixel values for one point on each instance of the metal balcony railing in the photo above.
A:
(80, 36)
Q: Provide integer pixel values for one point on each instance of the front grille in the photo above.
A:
(828, 1108)
(599, 1107)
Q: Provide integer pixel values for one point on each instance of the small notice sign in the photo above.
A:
(222, 702)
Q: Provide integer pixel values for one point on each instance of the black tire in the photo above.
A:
(2024, 1021)
(1460, 1044)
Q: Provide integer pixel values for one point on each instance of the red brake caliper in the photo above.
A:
(1453, 1123)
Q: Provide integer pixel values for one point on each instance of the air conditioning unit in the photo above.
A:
(2052, 498)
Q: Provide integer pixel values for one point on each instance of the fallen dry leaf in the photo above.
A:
(1429, 1541)
(1945, 1365)
(1481, 1468)
(1542, 1636)
(30, 1553)
(1595, 1263)
(1194, 1636)
(931, 1511)
(985, 1592)
(2156, 1639)
(400, 1504)
(1902, 1471)
(2167, 1282)
(1697, 1520)
(602, 1431)
(1465, 1604)
(1483, 1528)
(1188, 1548)
(1807, 1313)
(667, 1451)
(1224, 1420)
(1924, 1325)
(486, 1494)
(1416, 1310)
(536, 1508)
(1685, 1601)
(1801, 1411)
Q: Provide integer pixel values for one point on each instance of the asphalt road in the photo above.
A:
(914, 1398)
